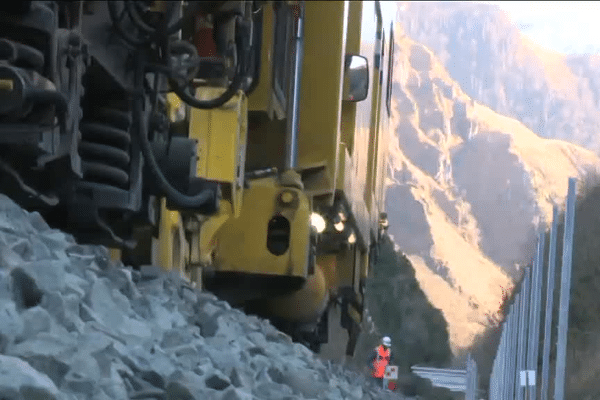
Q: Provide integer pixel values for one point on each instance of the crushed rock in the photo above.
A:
(76, 326)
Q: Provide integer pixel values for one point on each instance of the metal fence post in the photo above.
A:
(551, 271)
(512, 348)
(501, 364)
(565, 288)
(522, 339)
(511, 351)
(504, 361)
(534, 317)
(470, 389)
(492, 395)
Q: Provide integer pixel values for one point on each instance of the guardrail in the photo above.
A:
(515, 369)
(456, 380)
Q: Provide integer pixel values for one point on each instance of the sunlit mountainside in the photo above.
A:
(554, 95)
(469, 186)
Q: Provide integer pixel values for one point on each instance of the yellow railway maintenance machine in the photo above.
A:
(242, 144)
(294, 233)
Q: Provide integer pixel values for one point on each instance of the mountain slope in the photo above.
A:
(554, 95)
(468, 189)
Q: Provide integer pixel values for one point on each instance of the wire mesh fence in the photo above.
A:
(515, 368)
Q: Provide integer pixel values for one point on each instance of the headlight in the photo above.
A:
(318, 222)
(352, 238)
(339, 226)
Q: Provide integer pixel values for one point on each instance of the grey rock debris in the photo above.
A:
(76, 326)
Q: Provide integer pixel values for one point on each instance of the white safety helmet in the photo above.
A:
(386, 341)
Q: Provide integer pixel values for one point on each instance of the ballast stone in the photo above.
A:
(20, 381)
(82, 327)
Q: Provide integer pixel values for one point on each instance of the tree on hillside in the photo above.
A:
(397, 307)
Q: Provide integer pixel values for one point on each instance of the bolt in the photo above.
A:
(287, 197)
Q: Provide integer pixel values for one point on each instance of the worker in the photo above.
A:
(380, 358)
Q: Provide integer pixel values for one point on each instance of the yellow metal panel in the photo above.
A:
(221, 134)
(353, 34)
(304, 305)
(345, 267)
(218, 134)
(365, 267)
(362, 261)
(207, 241)
(374, 128)
(241, 243)
(354, 314)
(171, 248)
(327, 263)
(352, 47)
(115, 254)
(320, 93)
(175, 107)
(360, 125)
(345, 165)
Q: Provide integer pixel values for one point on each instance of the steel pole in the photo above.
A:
(513, 348)
(522, 338)
(534, 317)
(565, 288)
(293, 105)
(551, 271)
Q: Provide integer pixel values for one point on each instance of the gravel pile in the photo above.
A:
(74, 325)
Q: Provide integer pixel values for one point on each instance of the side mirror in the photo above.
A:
(356, 78)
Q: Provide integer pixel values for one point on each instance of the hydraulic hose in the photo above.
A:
(189, 99)
(141, 25)
(257, 45)
(48, 96)
(182, 47)
(13, 51)
(116, 20)
(173, 195)
(243, 45)
(231, 90)
(129, 7)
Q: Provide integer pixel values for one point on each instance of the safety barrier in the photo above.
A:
(515, 369)
(456, 380)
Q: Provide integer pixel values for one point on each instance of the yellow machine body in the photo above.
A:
(339, 173)
(270, 236)
(221, 136)
(305, 305)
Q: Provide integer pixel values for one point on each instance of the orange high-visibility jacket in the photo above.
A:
(382, 359)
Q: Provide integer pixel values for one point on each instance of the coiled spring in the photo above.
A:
(104, 148)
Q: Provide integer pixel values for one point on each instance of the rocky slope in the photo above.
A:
(397, 307)
(554, 95)
(469, 187)
(75, 326)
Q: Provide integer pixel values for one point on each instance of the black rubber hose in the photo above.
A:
(173, 195)
(139, 22)
(212, 103)
(257, 51)
(235, 85)
(48, 96)
(182, 47)
(112, 11)
(232, 89)
(13, 51)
